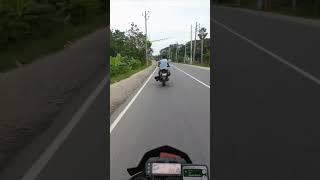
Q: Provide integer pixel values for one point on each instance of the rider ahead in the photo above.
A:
(163, 64)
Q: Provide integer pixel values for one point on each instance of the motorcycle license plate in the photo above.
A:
(164, 74)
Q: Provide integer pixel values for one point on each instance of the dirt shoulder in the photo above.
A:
(120, 91)
(33, 94)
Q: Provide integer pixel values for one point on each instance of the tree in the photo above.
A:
(19, 18)
(118, 43)
(130, 43)
(202, 35)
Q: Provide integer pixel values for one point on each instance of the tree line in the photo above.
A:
(130, 43)
(127, 50)
(20, 19)
(181, 52)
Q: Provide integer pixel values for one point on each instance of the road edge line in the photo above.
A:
(43, 159)
(192, 77)
(297, 69)
(117, 120)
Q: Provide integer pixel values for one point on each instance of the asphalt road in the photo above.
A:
(177, 115)
(266, 113)
(75, 146)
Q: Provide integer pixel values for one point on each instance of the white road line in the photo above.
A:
(41, 162)
(116, 121)
(302, 72)
(192, 77)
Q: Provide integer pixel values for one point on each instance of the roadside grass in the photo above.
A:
(26, 51)
(127, 74)
(202, 65)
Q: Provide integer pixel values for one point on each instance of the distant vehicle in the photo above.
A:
(168, 163)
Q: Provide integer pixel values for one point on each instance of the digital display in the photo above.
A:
(166, 169)
(192, 173)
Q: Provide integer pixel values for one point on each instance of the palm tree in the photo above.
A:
(202, 35)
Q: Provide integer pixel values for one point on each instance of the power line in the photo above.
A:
(159, 39)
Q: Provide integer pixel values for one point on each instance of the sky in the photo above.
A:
(168, 19)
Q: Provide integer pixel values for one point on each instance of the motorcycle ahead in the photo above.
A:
(164, 76)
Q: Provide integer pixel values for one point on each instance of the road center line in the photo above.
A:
(116, 121)
(302, 72)
(44, 158)
(192, 77)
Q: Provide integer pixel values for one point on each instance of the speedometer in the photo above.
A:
(166, 169)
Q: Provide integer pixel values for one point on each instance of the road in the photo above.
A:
(75, 146)
(266, 97)
(177, 115)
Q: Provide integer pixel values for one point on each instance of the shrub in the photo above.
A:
(120, 65)
(124, 67)
(135, 64)
(114, 65)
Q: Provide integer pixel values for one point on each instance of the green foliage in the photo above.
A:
(206, 50)
(135, 64)
(114, 65)
(130, 43)
(121, 65)
(77, 8)
(203, 33)
(31, 48)
(20, 19)
(127, 50)
(206, 58)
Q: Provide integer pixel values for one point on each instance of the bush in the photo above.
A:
(114, 65)
(135, 64)
(121, 65)
(20, 19)
(206, 58)
(124, 67)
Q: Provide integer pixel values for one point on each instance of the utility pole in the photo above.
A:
(202, 49)
(201, 37)
(177, 52)
(191, 47)
(146, 17)
(195, 42)
(185, 53)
